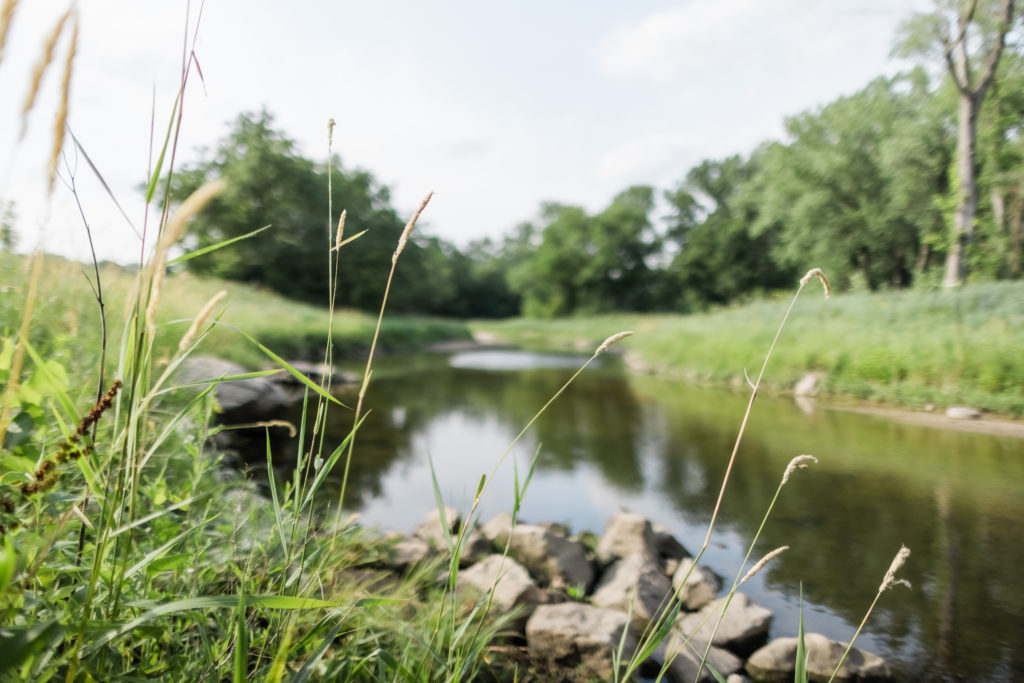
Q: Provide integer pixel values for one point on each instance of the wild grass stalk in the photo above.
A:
(660, 627)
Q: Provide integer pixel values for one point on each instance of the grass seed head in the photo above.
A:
(617, 337)
(799, 462)
(204, 313)
(762, 562)
(341, 228)
(60, 121)
(192, 205)
(408, 228)
(39, 69)
(6, 15)
(890, 579)
(817, 273)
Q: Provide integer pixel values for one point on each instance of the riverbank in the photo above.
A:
(906, 349)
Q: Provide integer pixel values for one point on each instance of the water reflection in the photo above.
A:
(614, 442)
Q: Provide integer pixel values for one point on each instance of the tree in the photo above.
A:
(855, 191)
(8, 237)
(270, 183)
(949, 28)
(718, 259)
(590, 264)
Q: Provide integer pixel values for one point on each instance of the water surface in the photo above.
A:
(616, 442)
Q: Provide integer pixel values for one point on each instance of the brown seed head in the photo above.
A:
(799, 462)
(204, 313)
(762, 562)
(6, 15)
(890, 579)
(617, 337)
(817, 273)
(39, 70)
(60, 121)
(408, 228)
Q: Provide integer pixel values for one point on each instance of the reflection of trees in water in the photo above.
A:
(951, 497)
(878, 486)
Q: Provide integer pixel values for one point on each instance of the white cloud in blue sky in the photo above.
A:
(494, 107)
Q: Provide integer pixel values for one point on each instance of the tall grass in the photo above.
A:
(127, 552)
(905, 347)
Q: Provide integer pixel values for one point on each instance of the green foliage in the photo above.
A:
(8, 218)
(588, 263)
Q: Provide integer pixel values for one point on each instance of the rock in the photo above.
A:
(736, 678)
(240, 401)
(433, 531)
(474, 548)
(809, 384)
(775, 661)
(686, 657)
(579, 637)
(634, 584)
(627, 533)
(551, 558)
(668, 548)
(700, 587)
(963, 413)
(408, 552)
(744, 627)
(498, 528)
(511, 583)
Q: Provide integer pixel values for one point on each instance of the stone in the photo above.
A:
(699, 588)
(553, 559)
(240, 401)
(743, 629)
(686, 656)
(963, 413)
(627, 533)
(498, 528)
(433, 531)
(775, 662)
(408, 552)
(634, 584)
(510, 582)
(474, 548)
(668, 548)
(809, 384)
(580, 637)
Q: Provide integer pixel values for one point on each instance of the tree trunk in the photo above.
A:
(1016, 215)
(967, 191)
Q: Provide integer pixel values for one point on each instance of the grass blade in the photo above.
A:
(214, 247)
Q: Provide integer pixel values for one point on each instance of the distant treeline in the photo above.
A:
(863, 187)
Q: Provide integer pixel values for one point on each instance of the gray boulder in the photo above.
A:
(498, 528)
(315, 372)
(552, 558)
(627, 533)
(963, 413)
(775, 662)
(240, 401)
(510, 582)
(433, 531)
(697, 589)
(685, 657)
(743, 629)
(634, 584)
(408, 552)
(579, 637)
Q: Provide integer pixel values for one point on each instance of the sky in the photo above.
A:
(495, 107)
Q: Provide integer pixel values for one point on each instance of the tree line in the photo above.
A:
(912, 180)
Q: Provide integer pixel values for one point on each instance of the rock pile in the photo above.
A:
(620, 587)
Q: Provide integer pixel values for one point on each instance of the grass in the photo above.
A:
(908, 348)
(128, 551)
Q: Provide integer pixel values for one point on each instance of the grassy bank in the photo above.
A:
(66, 318)
(908, 348)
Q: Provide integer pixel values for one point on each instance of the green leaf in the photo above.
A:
(241, 643)
(292, 371)
(168, 563)
(151, 187)
(800, 675)
(8, 563)
(214, 247)
(18, 643)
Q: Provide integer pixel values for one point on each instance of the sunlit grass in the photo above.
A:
(909, 348)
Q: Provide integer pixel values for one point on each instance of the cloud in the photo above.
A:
(645, 159)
